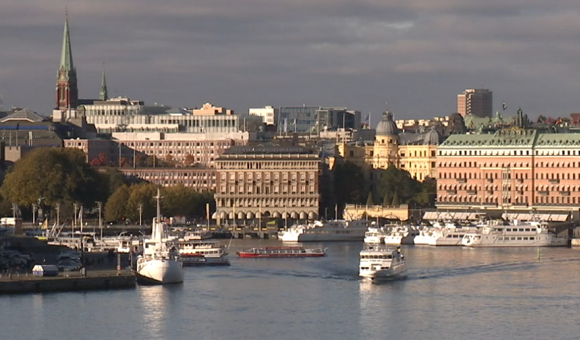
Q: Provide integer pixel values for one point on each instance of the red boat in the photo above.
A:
(269, 252)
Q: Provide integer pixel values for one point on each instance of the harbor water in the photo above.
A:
(450, 293)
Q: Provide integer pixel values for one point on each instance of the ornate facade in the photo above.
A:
(414, 152)
(511, 169)
(267, 181)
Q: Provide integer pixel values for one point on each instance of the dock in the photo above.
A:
(67, 281)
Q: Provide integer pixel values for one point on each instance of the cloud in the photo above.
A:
(417, 54)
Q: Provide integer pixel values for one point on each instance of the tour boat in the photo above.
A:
(336, 230)
(380, 262)
(203, 253)
(399, 234)
(516, 234)
(270, 252)
(160, 262)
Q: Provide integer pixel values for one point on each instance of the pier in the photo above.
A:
(67, 281)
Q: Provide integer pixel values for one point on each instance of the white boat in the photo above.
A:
(198, 234)
(335, 230)
(516, 234)
(426, 236)
(203, 253)
(380, 262)
(400, 234)
(375, 235)
(160, 262)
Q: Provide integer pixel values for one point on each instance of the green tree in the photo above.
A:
(144, 194)
(349, 184)
(426, 197)
(370, 201)
(179, 200)
(112, 179)
(395, 200)
(55, 175)
(116, 206)
(399, 182)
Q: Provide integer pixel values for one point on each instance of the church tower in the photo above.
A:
(103, 94)
(66, 80)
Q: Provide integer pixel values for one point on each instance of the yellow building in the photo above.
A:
(414, 152)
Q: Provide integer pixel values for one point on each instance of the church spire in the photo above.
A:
(66, 59)
(103, 94)
(66, 81)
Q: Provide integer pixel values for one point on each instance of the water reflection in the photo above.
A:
(155, 303)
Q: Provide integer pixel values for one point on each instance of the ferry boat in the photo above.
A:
(380, 262)
(272, 252)
(203, 253)
(516, 234)
(451, 235)
(160, 262)
(198, 234)
(336, 230)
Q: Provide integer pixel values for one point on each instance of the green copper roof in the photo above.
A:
(66, 59)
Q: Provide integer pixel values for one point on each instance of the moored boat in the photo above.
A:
(203, 253)
(160, 262)
(336, 230)
(515, 234)
(272, 252)
(380, 262)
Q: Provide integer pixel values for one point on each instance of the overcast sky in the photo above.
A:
(415, 54)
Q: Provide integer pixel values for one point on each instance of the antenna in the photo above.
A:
(1, 101)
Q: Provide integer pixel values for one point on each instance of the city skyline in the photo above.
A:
(417, 56)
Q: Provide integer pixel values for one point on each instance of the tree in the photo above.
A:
(370, 201)
(397, 181)
(395, 200)
(116, 206)
(55, 174)
(104, 159)
(143, 194)
(426, 198)
(111, 179)
(349, 183)
(189, 160)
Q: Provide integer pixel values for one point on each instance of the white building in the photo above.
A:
(268, 113)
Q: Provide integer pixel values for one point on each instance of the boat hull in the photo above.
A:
(384, 274)
(321, 237)
(160, 271)
(252, 255)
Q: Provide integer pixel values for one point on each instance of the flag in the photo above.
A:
(285, 125)
(207, 210)
(294, 122)
(504, 106)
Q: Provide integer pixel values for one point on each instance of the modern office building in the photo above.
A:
(269, 114)
(477, 102)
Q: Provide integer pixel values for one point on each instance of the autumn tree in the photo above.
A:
(116, 206)
(189, 160)
(53, 175)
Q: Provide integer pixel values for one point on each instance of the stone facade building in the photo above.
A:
(513, 169)
(268, 180)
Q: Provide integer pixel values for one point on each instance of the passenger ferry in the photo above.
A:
(375, 235)
(272, 252)
(203, 253)
(336, 230)
(400, 234)
(516, 234)
(379, 262)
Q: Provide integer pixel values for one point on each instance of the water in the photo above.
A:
(450, 293)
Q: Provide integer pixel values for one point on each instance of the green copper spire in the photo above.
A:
(66, 59)
(103, 95)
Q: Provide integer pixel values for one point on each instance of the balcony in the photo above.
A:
(461, 180)
(554, 181)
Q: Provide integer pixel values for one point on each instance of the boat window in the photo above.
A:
(519, 238)
(532, 238)
(500, 238)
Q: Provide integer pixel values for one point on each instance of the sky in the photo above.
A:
(412, 57)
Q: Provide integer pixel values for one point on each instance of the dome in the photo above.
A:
(387, 126)
(431, 137)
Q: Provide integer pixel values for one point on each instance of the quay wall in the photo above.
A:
(19, 284)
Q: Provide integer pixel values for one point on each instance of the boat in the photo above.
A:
(375, 235)
(452, 234)
(160, 262)
(400, 234)
(198, 234)
(380, 262)
(272, 252)
(515, 234)
(203, 253)
(335, 230)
